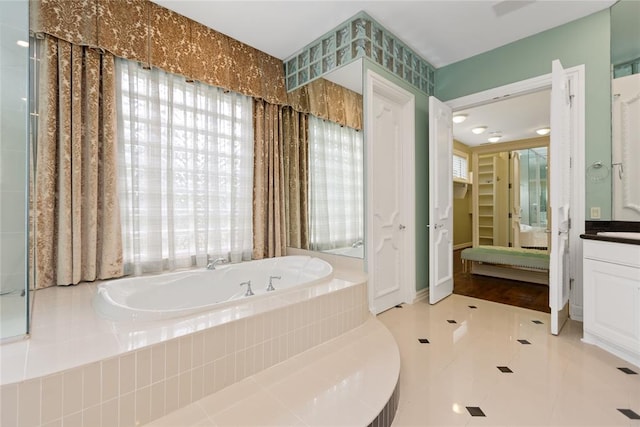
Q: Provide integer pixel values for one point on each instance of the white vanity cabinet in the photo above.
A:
(612, 297)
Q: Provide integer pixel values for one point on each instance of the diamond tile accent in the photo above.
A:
(475, 411)
(505, 369)
(398, 306)
(473, 306)
(538, 322)
(524, 342)
(628, 371)
(423, 340)
(630, 414)
(451, 321)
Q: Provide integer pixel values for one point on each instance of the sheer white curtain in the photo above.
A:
(335, 185)
(185, 171)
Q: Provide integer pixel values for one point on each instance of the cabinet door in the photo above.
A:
(612, 303)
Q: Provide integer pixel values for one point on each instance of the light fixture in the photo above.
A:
(22, 43)
(543, 131)
(459, 118)
(478, 130)
(494, 137)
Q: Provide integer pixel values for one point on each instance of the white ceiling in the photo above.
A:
(514, 118)
(441, 31)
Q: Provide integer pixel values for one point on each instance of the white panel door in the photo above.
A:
(391, 206)
(440, 201)
(626, 148)
(559, 197)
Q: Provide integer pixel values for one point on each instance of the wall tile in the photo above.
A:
(9, 405)
(172, 394)
(29, 403)
(91, 387)
(110, 378)
(197, 383)
(197, 350)
(185, 353)
(127, 409)
(51, 398)
(230, 335)
(172, 362)
(157, 400)
(127, 373)
(184, 391)
(208, 379)
(143, 405)
(158, 362)
(109, 412)
(72, 392)
(73, 420)
(91, 416)
(143, 368)
(56, 423)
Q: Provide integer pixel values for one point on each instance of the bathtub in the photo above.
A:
(182, 293)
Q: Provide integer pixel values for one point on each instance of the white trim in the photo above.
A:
(577, 77)
(462, 246)
(422, 294)
(376, 84)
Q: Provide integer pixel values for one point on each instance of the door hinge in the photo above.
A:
(571, 280)
(570, 92)
(510, 186)
(569, 223)
(509, 215)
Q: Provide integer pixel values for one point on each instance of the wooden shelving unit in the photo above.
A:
(486, 199)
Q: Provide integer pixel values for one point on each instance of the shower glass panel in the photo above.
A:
(533, 186)
(14, 94)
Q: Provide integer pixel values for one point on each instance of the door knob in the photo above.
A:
(402, 227)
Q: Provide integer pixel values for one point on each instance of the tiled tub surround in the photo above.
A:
(80, 369)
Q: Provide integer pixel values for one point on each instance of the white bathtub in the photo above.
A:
(186, 292)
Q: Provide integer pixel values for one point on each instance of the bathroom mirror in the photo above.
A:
(336, 229)
(625, 90)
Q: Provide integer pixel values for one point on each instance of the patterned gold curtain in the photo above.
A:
(269, 221)
(296, 173)
(77, 219)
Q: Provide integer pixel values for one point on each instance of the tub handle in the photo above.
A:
(270, 287)
(249, 291)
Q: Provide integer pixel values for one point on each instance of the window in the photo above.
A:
(460, 166)
(335, 185)
(185, 171)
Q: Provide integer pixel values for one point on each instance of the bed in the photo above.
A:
(527, 265)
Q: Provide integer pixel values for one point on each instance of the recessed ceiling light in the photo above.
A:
(478, 130)
(494, 137)
(543, 131)
(459, 118)
(22, 43)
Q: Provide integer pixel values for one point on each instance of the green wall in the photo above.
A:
(422, 169)
(584, 41)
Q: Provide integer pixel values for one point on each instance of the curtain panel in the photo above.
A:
(329, 101)
(296, 173)
(143, 31)
(269, 220)
(77, 221)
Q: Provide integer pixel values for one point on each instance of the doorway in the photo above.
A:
(568, 121)
(390, 193)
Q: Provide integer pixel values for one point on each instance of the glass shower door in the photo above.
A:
(14, 115)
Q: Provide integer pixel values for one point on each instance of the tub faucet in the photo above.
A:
(249, 291)
(270, 287)
(211, 265)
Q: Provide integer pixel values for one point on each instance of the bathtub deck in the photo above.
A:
(346, 381)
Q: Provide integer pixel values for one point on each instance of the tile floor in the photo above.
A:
(499, 363)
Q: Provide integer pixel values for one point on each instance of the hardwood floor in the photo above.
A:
(511, 292)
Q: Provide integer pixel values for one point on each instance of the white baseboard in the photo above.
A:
(462, 246)
(575, 312)
(422, 294)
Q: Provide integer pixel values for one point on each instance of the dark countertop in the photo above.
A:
(593, 227)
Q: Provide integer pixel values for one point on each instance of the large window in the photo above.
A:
(335, 185)
(185, 171)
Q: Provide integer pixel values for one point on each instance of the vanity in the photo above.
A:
(611, 286)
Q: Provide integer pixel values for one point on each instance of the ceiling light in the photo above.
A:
(459, 118)
(495, 137)
(543, 131)
(22, 43)
(478, 130)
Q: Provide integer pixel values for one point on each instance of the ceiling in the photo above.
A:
(441, 31)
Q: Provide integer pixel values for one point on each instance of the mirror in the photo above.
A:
(336, 176)
(512, 195)
(625, 132)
